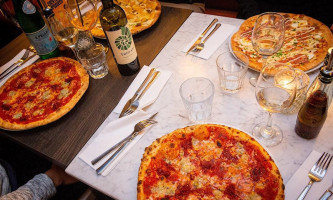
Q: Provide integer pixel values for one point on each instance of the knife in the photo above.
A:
(129, 102)
(2, 76)
(201, 36)
(327, 194)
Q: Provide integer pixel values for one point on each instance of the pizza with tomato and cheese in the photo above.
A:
(41, 93)
(305, 45)
(208, 161)
(141, 15)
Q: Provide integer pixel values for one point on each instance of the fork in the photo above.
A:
(201, 45)
(317, 172)
(25, 56)
(137, 129)
(136, 102)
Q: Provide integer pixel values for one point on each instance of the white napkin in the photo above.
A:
(17, 57)
(300, 179)
(152, 93)
(113, 133)
(213, 43)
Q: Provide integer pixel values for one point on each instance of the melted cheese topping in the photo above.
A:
(207, 168)
(300, 45)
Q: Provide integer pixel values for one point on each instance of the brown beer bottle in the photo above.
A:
(313, 113)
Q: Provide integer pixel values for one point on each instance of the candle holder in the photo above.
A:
(303, 81)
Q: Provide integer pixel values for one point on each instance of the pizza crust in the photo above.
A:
(134, 25)
(256, 62)
(153, 150)
(61, 111)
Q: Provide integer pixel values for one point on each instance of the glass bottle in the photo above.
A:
(35, 29)
(313, 113)
(114, 23)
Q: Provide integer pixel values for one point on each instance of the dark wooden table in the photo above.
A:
(61, 140)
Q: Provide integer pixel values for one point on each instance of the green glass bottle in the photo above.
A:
(35, 28)
(114, 22)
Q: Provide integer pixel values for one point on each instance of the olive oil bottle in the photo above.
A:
(114, 22)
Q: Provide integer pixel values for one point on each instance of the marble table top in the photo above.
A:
(238, 110)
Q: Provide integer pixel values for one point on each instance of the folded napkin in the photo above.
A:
(152, 93)
(113, 133)
(12, 61)
(213, 43)
(300, 179)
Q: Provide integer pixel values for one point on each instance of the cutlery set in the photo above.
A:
(131, 105)
(25, 58)
(316, 174)
(198, 45)
(138, 128)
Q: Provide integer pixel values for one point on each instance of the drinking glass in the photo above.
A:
(197, 94)
(267, 36)
(62, 29)
(275, 91)
(94, 61)
(83, 15)
(231, 70)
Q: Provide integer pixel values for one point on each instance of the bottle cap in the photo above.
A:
(48, 12)
(326, 71)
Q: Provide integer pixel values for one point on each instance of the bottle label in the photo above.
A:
(43, 41)
(28, 8)
(122, 45)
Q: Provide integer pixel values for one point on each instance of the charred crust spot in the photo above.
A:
(139, 182)
(218, 143)
(6, 107)
(172, 145)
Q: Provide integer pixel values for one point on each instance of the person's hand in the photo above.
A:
(59, 176)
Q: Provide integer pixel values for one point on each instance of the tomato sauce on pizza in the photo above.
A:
(208, 162)
(41, 93)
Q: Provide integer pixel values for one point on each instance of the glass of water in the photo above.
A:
(231, 70)
(94, 61)
(197, 94)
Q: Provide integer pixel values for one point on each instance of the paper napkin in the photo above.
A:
(152, 93)
(300, 179)
(17, 57)
(214, 42)
(113, 133)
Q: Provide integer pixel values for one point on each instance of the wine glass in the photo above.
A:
(83, 15)
(62, 29)
(275, 91)
(267, 36)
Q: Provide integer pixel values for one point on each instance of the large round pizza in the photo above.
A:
(41, 93)
(305, 45)
(141, 15)
(208, 161)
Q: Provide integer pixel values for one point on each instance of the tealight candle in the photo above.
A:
(303, 81)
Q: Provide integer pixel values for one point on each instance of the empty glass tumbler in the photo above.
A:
(197, 95)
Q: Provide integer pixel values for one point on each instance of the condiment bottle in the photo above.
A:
(313, 113)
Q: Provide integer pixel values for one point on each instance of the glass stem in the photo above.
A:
(268, 131)
(264, 61)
